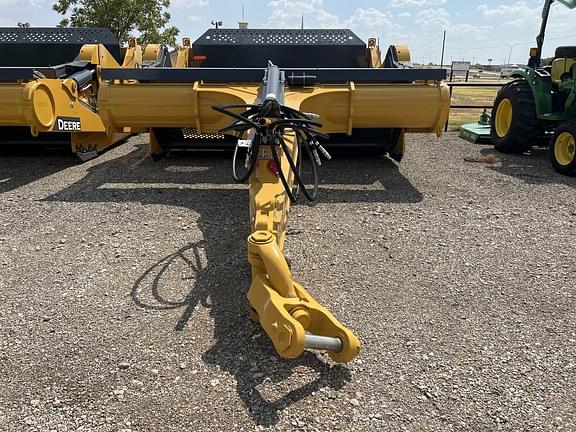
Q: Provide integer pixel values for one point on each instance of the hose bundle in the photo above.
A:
(266, 123)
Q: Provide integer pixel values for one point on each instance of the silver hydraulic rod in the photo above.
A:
(324, 343)
(274, 82)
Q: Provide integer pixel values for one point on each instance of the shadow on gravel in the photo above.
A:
(20, 166)
(241, 348)
(219, 271)
(533, 168)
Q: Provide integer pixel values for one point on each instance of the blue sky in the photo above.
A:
(477, 30)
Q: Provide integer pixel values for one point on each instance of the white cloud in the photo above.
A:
(517, 14)
(189, 4)
(518, 8)
(471, 30)
(371, 18)
(195, 19)
(528, 15)
(288, 13)
(419, 3)
(433, 18)
(296, 7)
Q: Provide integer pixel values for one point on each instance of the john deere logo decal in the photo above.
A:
(67, 124)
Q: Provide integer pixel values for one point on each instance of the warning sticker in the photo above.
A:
(265, 153)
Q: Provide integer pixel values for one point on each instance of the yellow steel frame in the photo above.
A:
(419, 107)
(39, 102)
(283, 307)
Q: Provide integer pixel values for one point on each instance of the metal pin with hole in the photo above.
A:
(324, 343)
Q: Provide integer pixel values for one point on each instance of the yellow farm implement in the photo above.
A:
(282, 99)
(291, 95)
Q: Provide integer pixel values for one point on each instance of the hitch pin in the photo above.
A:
(324, 343)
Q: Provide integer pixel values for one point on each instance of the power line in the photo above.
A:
(506, 46)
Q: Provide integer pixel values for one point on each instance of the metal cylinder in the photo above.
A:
(274, 89)
(322, 343)
(82, 77)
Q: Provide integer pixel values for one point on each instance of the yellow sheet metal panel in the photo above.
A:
(418, 107)
(97, 54)
(31, 104)
(13, 106)
(169, 105)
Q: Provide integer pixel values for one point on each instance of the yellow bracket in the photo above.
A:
(290, 316)
(351, 112)
(183, 58)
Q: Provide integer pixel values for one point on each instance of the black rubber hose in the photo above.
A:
(297, 175)
(227, 107)
(315, 175)
(299, 162)
(237, 117)
(295, 122)
(253, 157)
(279, 168)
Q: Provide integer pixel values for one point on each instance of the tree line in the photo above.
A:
(148, 19)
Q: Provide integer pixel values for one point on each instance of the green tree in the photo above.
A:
(148, 18)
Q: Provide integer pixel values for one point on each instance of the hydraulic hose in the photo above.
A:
(257, 118)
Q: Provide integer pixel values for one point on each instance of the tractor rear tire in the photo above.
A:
(563, 149)
(514, 126)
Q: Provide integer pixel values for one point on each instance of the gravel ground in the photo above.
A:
(122, 295)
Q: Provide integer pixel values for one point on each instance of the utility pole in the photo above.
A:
(510, 53)
(443, 48)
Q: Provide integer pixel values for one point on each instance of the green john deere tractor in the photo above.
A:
(539, 101)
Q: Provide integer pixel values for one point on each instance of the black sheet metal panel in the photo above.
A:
(248, 48)
(297, 77)
(49, 46)
(189, 138)
(28, 73)
(16, 73)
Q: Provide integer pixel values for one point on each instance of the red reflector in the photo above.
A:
(199, 57)
(273, 168)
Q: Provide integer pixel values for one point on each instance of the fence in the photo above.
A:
(470, 84)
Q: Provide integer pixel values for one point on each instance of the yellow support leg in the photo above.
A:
(289, 315)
